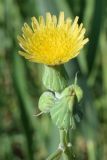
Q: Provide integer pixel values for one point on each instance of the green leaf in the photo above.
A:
(62, 113)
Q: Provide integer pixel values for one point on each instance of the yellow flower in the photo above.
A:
(52, 42)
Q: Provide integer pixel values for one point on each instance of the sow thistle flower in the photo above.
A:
(52, 42)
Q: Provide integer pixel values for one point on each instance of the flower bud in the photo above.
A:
(46, 101)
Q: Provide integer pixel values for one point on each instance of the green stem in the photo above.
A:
(64, 141)
(56, 155)
(63, 138)
(67, 155)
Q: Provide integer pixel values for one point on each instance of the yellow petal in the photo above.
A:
(54, 20)
(61, 19)
(48, 19)
(41, 21)
(35, 24)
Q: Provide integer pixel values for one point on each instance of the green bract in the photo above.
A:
(73, 90)
(78, 92)
(55, 78)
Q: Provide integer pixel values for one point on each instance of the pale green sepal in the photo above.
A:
(55, 78)
(46, 101)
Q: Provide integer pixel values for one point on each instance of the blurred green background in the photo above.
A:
(25, 137)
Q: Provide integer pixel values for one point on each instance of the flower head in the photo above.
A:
(52, 42)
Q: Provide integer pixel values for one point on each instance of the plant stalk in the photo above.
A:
(65, 144)
(56, 155)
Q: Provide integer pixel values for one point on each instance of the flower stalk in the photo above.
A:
(65, 148)
(56, 155)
